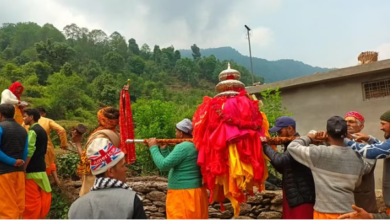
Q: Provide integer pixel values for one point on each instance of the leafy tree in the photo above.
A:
(145, 52)
(25, 35)
(32, 87)
(187, 70)
(4, 83)
(66, 94)
(42, 70)
(8, 53)
(30, 54)
(97, 37)
(114, 62)
(157, 54)
(170, 56)
(152, 119)
(272, 105)
(67, 69)
(48, 31)
(195, 52)
(133, 47)
(6, 35)
(118, 44)
(136, 64)
(207, 66)
(57, 54)
(91, 71)
(104, 91)
(177, 55)
(72, 32)
(12, 72)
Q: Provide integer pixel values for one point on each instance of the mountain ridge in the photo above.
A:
(271, 71)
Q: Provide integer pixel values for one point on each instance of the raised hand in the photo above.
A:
(163, 146)
(358, 214)
(361, 137)
(312, 134)
(76, 137)
(152, 142)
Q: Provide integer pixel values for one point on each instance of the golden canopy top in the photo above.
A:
(229, 73)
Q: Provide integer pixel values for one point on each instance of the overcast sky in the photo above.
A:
(326, 33)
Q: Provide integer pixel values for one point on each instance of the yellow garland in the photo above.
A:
(84, 167)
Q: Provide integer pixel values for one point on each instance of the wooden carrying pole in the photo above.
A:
(270, 141)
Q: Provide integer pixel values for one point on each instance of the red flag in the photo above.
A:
(126, 126)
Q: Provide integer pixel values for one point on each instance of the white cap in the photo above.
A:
(103, 155)
(185, 126)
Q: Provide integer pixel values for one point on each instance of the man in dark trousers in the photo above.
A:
(375, 149)
(13, 153)
(365, 196)
(297, 182)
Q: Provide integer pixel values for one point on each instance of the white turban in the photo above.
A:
(185, 126)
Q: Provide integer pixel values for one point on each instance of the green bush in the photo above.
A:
(67, 165)
(272, 107)
(59, 205)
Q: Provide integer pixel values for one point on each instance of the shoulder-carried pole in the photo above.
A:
(270, 141)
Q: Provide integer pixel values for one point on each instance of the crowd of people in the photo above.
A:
(27, 157)
(334, 179)
(329, 180)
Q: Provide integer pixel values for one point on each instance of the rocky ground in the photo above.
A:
(264, 205)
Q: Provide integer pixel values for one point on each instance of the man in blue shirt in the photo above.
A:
(13, 153)
(376, 149)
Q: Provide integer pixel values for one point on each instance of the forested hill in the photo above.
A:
(271, 71)
(73, 71)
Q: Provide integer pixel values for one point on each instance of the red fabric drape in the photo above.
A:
(126, 126)
(222, 125)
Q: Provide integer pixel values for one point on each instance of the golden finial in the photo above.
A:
(126, 87)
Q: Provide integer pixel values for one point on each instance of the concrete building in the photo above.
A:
(315, 98)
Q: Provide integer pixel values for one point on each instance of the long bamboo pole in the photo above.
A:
(271, 141)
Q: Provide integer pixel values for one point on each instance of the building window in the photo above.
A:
(376, 89)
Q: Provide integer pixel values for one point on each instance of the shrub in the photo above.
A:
(59, 205)
(67, 165)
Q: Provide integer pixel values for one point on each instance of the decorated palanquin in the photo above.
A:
(227, 132)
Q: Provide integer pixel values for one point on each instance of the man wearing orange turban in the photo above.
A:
(108, 119)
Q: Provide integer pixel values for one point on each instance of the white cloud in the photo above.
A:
(171, 22)
(384, 51)
(41, 12)
(262, 36)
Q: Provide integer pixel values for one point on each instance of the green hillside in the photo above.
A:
(74, 71)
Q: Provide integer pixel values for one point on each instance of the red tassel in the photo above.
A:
(126, 127)
(222, 206)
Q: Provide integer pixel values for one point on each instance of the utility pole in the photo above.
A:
(250, 52)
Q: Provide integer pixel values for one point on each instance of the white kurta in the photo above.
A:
(8, 97)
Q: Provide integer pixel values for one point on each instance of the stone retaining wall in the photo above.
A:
(153, 190)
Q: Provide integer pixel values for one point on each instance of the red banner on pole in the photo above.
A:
(126, 125)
